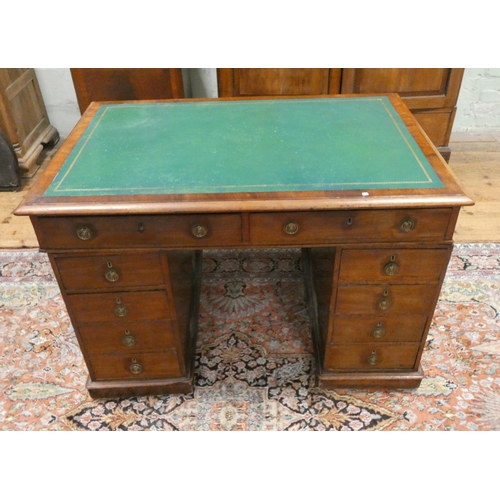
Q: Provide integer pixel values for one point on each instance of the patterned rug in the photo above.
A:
(254, 363)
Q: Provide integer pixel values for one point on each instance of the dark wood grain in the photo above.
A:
(126, 84)
(154, 366)
(356, 357)
(393, 328)
(108, 337)
(129, 270)
(243, 82)
(416, 266)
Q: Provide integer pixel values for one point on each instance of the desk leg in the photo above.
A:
(318, 271)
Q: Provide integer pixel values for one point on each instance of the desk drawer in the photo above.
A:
(135, 231)
(118, 307)
(110, 271)
(390, 299)
(371, 357)
(303, 228)
(136, 366)
(393, 265)
(393, 328)
(100, 338)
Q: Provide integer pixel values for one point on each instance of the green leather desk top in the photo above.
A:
(244, 146)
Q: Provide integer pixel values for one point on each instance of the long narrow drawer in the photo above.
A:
(133, 231)
(100, 338)
(392, 299)
(371, 357)
(391, 328)
(110, 271)
(303, 228)
(393, 265)
(124, 307)
(136, 366)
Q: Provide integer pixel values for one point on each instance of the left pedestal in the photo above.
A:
(134, 312)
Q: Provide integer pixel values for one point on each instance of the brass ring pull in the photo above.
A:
(112, 275)
(84, 233)
(407, 225)
(199, 231)
(378, 332)
(391, 268)
(135, 367)
(373, 358)
(384, 304)
(128, 339)
(291, 228)
(120, 309)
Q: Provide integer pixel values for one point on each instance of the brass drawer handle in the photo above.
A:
(373, 359)
(112, 275)
(135, 367)
(128, 339)
(84, 233)
(391, 269)
(407, 225)
(199, 231)
(120, 309)
(291, 228)
(384, 304)
(379, 331)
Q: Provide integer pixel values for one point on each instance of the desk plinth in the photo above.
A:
(365, 196)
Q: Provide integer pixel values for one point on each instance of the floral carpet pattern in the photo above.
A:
(254, 364)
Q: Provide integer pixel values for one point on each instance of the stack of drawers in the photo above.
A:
(131, 295)
(385, 301)
(120, 306)
(372, 295)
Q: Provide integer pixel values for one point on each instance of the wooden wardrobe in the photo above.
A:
(430, 93)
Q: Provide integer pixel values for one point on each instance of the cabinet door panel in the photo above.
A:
(124, 84)
(437, 124)
(421, 88)
(278, 81)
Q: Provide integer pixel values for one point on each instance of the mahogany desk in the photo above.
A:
(140, 188)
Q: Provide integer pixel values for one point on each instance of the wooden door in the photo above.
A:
(125, 84)
(235, 82)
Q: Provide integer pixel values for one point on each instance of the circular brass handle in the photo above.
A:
(391, 268)
(378, 332)
(407, 225)
(84, 233)
(112, 275)
(135, 367)
(199, 231)
(291, 228)
(121, 310)
(129, 340)
(373, 358)
(384, 304)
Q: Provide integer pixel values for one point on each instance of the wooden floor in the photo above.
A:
(475, 160)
